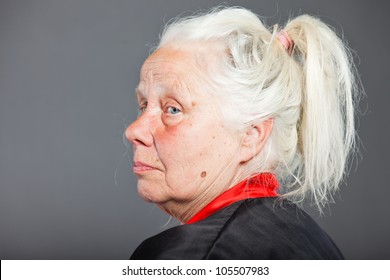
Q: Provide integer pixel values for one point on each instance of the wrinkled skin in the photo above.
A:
(184, 154)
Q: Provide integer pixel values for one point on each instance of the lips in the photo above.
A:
(140, 167)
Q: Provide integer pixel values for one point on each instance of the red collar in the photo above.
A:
(262, 185)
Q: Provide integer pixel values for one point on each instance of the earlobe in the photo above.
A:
(254, 139)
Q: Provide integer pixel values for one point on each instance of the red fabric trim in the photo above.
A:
(262, 185)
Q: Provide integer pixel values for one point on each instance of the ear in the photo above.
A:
(254, 139)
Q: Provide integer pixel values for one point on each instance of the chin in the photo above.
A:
(144, 195)
(150, 193)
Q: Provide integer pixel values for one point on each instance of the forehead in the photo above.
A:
(167, 63)
(184, 68)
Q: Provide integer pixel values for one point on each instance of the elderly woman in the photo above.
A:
(238, 125)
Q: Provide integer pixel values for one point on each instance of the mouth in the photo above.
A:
(140, 167)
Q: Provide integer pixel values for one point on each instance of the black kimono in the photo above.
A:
(258, 227)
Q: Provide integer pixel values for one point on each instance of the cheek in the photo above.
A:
(175, 142)
(184, 155)
(180, 154)
(184, 145)
(193, 156)
(193, 145)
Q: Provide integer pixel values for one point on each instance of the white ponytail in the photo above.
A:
(309, 94)
(326, 129)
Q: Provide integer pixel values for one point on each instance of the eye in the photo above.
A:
(142, 107)
(173, 110)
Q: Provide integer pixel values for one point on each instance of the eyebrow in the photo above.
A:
(138, 92)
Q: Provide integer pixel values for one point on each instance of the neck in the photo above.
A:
(184, 210)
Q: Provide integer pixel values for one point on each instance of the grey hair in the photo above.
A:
(309, 95)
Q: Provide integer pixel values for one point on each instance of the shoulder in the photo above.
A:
(189, 241)
(250, 229)
(268, 229)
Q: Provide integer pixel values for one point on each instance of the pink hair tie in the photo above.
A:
(286, 41)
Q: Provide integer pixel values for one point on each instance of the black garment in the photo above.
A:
(256, 228)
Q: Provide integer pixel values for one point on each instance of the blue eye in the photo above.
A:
(173, 110)
(142, 109)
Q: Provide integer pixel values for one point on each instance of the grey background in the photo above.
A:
(68, 70)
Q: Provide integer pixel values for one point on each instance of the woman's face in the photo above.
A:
(183, 153)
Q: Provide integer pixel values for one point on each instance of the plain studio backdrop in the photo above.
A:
(68, 70)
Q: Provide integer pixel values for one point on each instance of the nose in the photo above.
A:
(139, 132)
